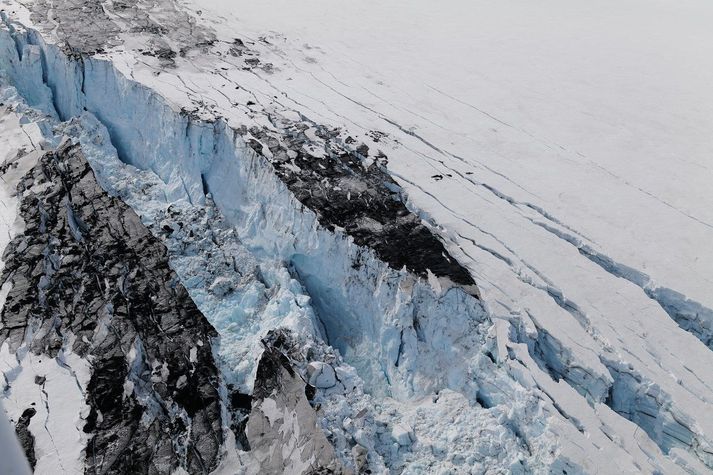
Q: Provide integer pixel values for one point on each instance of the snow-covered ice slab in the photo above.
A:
(564, 160)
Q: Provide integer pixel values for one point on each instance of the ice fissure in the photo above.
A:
(263, 231)
(688, 314)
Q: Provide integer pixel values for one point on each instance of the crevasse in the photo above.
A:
(395, 329)
(373, 334)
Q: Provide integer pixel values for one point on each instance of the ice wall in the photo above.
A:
(190, 155)
(405, 336)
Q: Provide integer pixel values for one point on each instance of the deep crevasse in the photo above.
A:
(383, 351)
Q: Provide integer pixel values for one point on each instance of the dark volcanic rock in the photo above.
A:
(27, 440)
(365, 201)
(88, 277)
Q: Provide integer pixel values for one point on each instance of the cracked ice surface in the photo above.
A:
(531, 164)
(549, 179)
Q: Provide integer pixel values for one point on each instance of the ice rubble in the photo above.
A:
(277, 267)
(193, 265)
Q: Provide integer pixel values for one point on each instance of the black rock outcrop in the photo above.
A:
(88, 277)
(364, 201)
(27, 440)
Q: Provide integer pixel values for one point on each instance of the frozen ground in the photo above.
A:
(562, 150)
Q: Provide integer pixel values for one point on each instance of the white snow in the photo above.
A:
(598, 113)
(59, 402)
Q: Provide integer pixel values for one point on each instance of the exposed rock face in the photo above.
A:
(282, 429)
(360, 197)
(27, 440)
(87, 277)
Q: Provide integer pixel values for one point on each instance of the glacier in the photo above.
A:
(421, 362)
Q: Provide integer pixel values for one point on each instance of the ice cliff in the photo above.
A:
(197, 295)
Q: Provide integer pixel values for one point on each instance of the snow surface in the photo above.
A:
(563, 150)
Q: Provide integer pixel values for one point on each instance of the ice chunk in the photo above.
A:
(403, 434)
(321, 375)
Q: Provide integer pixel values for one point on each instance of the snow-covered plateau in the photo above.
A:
(357, 237)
